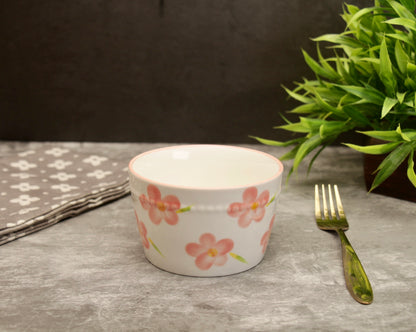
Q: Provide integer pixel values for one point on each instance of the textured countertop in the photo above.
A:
(89, 272)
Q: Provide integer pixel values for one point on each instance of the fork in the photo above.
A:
(335, 220)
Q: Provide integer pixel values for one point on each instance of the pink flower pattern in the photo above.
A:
(160, 208)
(252, 207)
(209, 252)
(265, 239)
(143, 232)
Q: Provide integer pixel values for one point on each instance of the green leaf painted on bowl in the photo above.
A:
(271, 200)
(184, 209)
(237, 257)
(155, 246)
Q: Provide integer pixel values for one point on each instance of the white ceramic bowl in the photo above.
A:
(205, 210)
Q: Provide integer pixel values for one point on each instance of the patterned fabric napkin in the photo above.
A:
(43, 186)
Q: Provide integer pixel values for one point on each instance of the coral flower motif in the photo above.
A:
(143, 232)
(160, 208)
(209, 252)
(252, 207)
(265, 239)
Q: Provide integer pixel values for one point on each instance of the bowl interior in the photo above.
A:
(206, 166)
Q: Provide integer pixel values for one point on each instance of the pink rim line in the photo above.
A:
(132, 171)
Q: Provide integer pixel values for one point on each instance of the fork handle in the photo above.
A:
(355, 278)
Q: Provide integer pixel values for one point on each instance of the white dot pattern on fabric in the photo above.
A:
(61, 176)
(94, 160)
(42, 186)
(23, 165)
(56, 152)
(60, 164)
(99, 174)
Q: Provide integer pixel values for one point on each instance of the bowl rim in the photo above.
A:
(201, 188)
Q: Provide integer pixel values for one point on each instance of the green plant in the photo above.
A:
(367, 85)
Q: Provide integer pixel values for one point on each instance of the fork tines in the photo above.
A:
(331, 213)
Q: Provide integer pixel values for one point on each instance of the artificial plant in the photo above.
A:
(366, 85)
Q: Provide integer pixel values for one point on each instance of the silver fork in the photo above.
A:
(333, 219)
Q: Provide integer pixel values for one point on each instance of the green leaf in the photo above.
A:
(291, 154)
(402, 37)
(276, 143)
(410, 134)
(411, 170)
(385, 135)
(410, 100)
(409, 4)
(296, 127)
(401, 57)
(400, 97)
(237, 257)
(410, 83)
(405, 22)
(364, 35)
(374, 149)
(305, 148)
(355, 19)
(401, 10)
(386, 71)
(363, 67)
(391, 163)
(311, 123)
(356, 115)
(411, 68)
(332, 74)
(372, 96)
(317, 154)
(343, 72)
(351, 9)
(326, 106)
(339, 39)
(298, 97)
(305, 108)
(317, 68)
(331, 128)
(402, 134)
(388, 104)
(377, 25)
(373, 61)
(329, 93)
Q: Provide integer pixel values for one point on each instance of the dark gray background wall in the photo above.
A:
(205, 71)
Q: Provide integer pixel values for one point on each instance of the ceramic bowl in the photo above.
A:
(205, 210)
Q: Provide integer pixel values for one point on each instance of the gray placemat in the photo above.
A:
(40, 187)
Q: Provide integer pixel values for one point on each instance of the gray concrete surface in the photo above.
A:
(89, 273)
